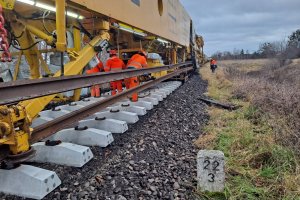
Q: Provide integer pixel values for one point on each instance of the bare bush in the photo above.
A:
(275, 91)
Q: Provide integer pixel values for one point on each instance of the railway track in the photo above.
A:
(75, 35)
(63, 135)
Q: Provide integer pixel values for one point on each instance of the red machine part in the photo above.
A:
(6, 56)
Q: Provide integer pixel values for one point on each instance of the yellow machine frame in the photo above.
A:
(18, 139)
(171, 23)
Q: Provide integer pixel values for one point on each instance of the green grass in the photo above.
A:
(260, 163)
(256, 166)
(268, 172)
(284, 159)
(245, 189)
(224, 143)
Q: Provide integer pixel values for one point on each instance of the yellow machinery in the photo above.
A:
(159, 26)
(199, 49)
(156, 63)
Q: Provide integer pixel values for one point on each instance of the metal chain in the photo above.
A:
(6, 56)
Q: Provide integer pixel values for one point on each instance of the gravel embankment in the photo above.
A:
(154, 159)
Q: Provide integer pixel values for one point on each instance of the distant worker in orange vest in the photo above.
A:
(137, 61)
(213, 65)
(114, 64)
(95, 90)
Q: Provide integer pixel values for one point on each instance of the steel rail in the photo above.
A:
(15, 91)
(45, 130)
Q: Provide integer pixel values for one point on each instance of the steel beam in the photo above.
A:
(13, 92)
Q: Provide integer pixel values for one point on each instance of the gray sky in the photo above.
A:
(243, 24)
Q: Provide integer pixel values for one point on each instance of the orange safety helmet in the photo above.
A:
(112, 52)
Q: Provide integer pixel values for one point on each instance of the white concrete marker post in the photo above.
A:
(210, 171)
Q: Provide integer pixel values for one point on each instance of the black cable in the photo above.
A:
(19, 35)
(62, 66)
(32, 18)
(82, 29)
(14, 38)
(43, 20)
(23, 49)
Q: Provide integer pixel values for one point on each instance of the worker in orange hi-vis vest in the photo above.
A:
(95, 90)
(114, 64)
(137, 61)
(213, 65)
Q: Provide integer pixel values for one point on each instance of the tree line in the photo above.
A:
(286, 49)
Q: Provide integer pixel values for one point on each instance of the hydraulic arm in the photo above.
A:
(15, 120)
(81, 29)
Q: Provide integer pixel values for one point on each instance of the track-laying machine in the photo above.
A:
(69, 35)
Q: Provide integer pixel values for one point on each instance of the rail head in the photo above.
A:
(16, 91)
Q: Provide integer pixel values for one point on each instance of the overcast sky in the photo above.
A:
(243, 24)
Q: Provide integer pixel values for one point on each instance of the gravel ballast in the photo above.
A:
(154, 159)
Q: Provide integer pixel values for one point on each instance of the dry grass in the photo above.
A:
(248, 65)
(257, 166)
(274, 92)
